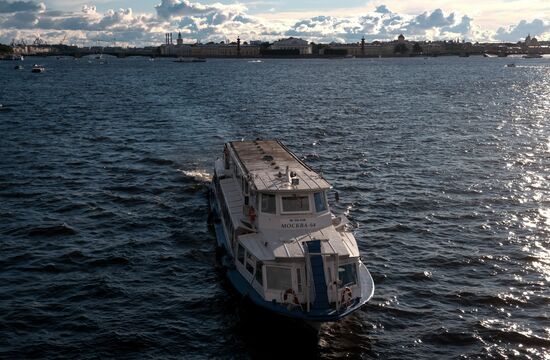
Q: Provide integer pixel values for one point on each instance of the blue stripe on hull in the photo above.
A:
(318, 275)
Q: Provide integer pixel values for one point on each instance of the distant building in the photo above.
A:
(32, 49)
(401, 39)
(224, 50)
(353, 49)
(178, 50)
(531, 44)
(207, 50)
(292, 43)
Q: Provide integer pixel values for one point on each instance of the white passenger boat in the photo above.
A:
(282, 245)
(532, 56)
(38, 68)
(189, 60)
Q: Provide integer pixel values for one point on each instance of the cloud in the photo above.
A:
(168, 9)
(214, 22)
(20, 6)
(88, 24)
(463, 27)
(518, 32)
(383, 24)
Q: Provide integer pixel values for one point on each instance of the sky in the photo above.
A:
(144, 22)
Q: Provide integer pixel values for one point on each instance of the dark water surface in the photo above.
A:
(443, 165)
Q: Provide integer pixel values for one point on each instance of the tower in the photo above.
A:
(180, 40)
(363, 46)
(238, 46)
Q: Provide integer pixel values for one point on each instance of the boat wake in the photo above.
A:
(198, 175)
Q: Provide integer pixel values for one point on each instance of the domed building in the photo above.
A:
(531, 41)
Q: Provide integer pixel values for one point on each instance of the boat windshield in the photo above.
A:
(295, 203)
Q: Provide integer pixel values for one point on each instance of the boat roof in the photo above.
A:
(266, 162)
(332, 242)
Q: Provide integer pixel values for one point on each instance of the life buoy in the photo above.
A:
(251, 214)
(289, 294)
(346, 296)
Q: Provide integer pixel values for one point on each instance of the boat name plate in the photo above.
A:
(292, 224)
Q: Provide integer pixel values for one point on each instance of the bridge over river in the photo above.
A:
(118, 52)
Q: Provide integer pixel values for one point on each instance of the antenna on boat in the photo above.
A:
(287, 174)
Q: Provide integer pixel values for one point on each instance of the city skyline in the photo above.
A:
(138, 23)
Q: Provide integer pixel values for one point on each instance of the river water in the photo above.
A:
(442, 165)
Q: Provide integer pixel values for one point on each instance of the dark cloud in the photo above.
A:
(20, 6)
(382, 9)
(168, 9)
(435, 19)
(21, 20)
(463, 27)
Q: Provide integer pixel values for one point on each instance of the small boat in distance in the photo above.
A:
(282, 246)
(189, 60)
(18, 67)
(532, 56)
(38, 68)
(511, 65)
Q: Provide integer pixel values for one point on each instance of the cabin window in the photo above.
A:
(250, 262)
(240, 254)
(347, 274)
(268, 203)
(278, 278)
(320, 202)
(295, 203)
(259, 273)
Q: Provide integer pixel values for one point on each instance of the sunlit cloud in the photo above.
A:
(215, 22)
